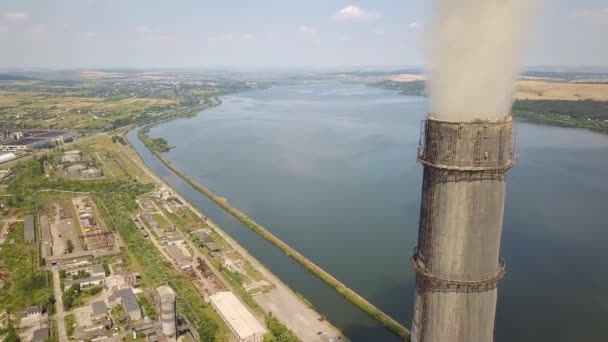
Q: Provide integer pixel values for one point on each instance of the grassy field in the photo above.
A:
(113, 161)
(162, 222)
(24, 283)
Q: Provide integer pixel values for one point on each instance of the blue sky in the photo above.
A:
(259, 33)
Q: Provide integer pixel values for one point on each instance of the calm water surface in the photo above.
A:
(331, 170)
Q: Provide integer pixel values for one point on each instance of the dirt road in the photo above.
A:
(59, 313)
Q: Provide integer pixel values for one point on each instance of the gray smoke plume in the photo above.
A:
(475, 52)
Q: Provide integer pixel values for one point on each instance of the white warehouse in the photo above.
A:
(239, 319)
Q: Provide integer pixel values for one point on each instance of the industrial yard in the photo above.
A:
(104, 293)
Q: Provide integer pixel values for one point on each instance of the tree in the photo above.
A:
(70, 247)
(12, 335)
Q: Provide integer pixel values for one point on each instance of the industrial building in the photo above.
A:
(29, 231)
(37, 138)
(84, 282)
(32, 315)
(457, 260)
(242, 323)
(177, 255)
(168, 318)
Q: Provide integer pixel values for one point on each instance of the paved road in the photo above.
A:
(59, 313)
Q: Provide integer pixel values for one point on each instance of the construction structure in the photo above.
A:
(457, 260)
(168, 319)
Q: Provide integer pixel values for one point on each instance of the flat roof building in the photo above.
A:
(41, 335)
(129, 303)
(242, 323)
(99, 309)
(29, 232)
(182, 260)
(212, 247)
(203, 235)
(97, 270)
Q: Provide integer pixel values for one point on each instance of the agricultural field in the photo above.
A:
(560, 90)
(48, 110)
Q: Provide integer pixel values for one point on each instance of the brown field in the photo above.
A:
(542, 90)
(92, 74)
(408, 78)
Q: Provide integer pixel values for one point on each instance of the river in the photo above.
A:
(331, 170)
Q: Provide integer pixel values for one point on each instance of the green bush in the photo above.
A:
(279, 331)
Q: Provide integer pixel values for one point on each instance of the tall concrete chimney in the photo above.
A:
(457, 260)
(168, 319)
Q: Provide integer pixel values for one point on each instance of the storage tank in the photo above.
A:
(7, 157)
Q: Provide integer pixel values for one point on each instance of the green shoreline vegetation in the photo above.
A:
(341, 288)
(589, 114)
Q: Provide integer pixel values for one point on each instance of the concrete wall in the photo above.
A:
(457, 259)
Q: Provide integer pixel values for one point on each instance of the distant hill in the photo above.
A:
(9, 77)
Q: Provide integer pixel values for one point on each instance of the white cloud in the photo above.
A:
(3, 29)
(231, 37)
(306, 31)
(352, 12)
(378, 31)
(271, 36)
(87, 35)
(413, 25)
(39, 32)
(597, 15)
(16, 15)
(146, 33)
(142, 29)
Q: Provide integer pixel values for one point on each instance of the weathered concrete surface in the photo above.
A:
(457, 259)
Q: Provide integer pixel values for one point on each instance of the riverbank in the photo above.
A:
(283, 303)
(563, 121)
(338, 286)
